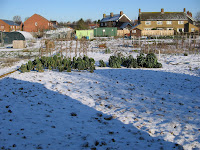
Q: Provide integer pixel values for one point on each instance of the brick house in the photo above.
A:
(121, 21)
(8, 26)
(177, 21)
(37, 23)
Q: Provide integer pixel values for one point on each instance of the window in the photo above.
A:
(35, 23)
(105, 24)
(180, 29)
(2, 27)
(169, 22)
(159, 28)
(148, 22)
(134, 31)
(159, 22)
(101, 24)
(192, 30)
(169, 28)
(147, 28)
(180, 22)
(114, 23)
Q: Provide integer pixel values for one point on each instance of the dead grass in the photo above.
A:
(7, 62)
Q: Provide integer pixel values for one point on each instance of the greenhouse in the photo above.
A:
(9, 37)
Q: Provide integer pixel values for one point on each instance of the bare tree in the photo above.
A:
(26, 18)
(197, 17)
(17, 19)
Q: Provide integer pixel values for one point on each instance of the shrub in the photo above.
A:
(57, 62)
(30, 66)
(23, 68)
(39, 67)
(141, 60)
(185, 54)
(151, 60)
(87, 62)
(60, 68)
(102, 63)
(115, 62)
(131, 62)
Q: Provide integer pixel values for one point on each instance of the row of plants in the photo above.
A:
(58, 63)
(150, 61)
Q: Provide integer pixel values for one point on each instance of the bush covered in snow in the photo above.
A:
(150, 61)
(58, 63)
(102, 63)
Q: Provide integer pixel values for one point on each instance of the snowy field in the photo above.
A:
(132, 109)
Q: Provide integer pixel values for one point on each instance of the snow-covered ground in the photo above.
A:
(108, 109)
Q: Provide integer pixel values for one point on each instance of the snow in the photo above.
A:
(108, 109)
(27, 35)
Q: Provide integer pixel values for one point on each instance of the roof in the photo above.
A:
(10, 22)
(115, 17)
(149, 16)
(125, 24)
(26, 35)
(135, 27)
(37, 16)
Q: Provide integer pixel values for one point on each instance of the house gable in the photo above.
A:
(37, 23)
(114, 20)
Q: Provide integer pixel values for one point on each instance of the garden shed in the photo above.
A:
(9, 37)
(88, 34)
(105, 31)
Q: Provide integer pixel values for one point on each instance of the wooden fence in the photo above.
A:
(157, 32)
(122, 32)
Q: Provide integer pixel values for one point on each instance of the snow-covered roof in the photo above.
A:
(59, 30)
(26, 35)
(125, 24)
(115, 17)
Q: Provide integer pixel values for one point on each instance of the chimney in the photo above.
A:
(162, 10)
(104, 15)
(184, 10)
(189, 13)
(139, 11)
(111, 14)
(121, 13)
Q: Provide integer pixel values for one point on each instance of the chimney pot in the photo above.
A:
(104, 15)
(121, 13)
(184, 10)
(111, 14)
(139, 11)
(162, 10)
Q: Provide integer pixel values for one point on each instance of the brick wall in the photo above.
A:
(37, 23)
(4, 26)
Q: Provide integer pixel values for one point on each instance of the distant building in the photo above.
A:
(8, 26)
(37, 23)
(121, 21)
(92, 26)
(177, 21)
(55, 24)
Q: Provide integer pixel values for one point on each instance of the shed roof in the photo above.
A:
(115, 17)
(148, 16)
(10, 22)
(26, 35)
(125, 24)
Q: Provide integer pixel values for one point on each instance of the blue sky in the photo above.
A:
(73, 10)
